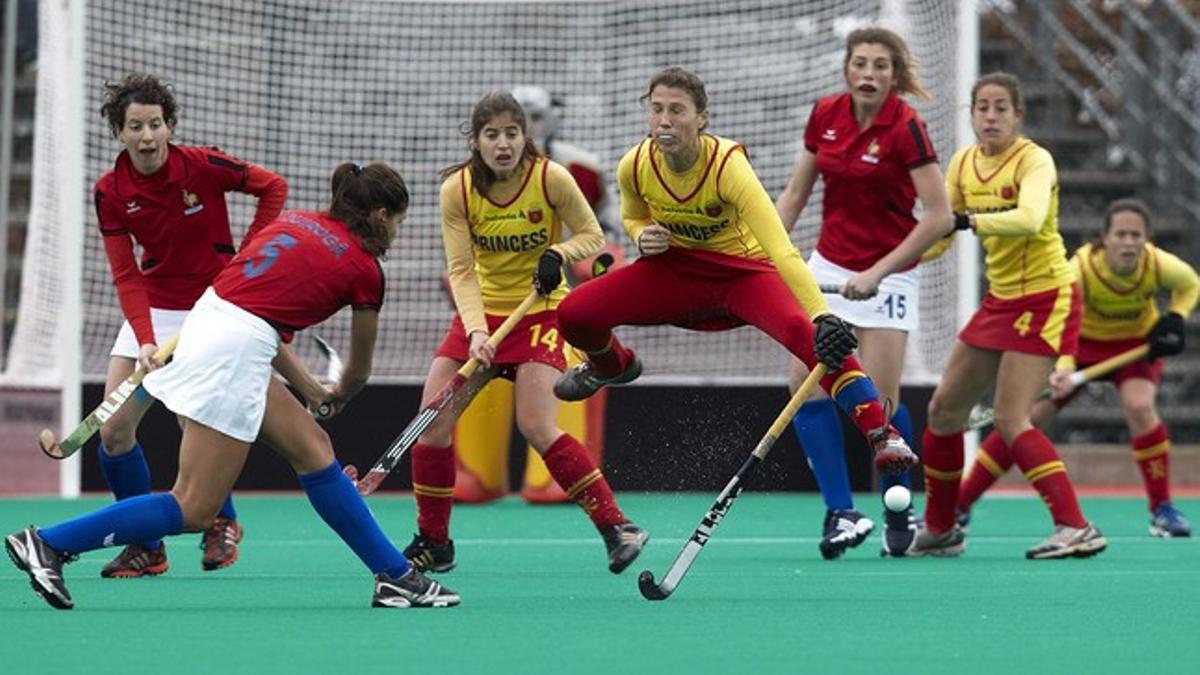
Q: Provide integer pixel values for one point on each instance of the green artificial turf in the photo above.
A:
(537, 598)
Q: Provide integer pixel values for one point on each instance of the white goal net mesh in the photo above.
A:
(300, 85)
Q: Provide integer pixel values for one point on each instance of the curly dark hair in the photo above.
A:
(137, 88)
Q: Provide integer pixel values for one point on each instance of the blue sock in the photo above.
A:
(820, 432)
(227, 510)
(127, 476)
(858, 391)
(341, 507)
(903, 423)
(129, 521)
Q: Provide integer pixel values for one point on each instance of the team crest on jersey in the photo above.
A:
(1007, 192)
(829, 135)
(132, 207)
(191, 203)
(535, 215)
(712, 210)
(872, 154)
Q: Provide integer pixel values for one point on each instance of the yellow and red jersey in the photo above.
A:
(717, 205)
(493, 242)
(1122, 306)
(1014, 196)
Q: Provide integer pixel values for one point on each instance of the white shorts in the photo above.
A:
(895, 306)
(222, 369)
(166, 322)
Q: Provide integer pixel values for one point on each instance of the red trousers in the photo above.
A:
(700, 290)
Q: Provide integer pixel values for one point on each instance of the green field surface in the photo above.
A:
(537, 598)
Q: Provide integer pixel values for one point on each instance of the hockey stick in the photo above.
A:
(441, 400)
(683, 562)
(333, 373)
(981, 415)
(107, 408)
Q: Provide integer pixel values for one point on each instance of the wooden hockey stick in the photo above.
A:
(107, 408)
(982, 415)
(441, 400)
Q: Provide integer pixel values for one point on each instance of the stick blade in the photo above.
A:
(48, 442)
(370, 482)
(649, 589)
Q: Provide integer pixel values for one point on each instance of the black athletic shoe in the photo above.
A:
(43, 564)
(899, 532)
(624, 543)
(412, 589)
(581, 381)
(428, 555)
(843, 529)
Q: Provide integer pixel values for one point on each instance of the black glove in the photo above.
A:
(962, 221)
(548, 274)
(834, 342)
(1166, 338)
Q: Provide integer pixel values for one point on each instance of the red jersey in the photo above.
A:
(300, 270)
(179, 218)
(869, 193)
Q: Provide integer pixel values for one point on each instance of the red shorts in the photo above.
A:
(535, 339)
(1092, 352)
(1043, 324)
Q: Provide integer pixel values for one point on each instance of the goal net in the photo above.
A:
(301, 85)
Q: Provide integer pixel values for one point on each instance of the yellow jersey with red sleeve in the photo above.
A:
(717, 205)
(493, 241)
(1014, 197)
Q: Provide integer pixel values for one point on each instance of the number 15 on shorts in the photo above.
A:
(893, 306)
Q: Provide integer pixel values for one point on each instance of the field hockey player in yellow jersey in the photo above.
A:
(1005, 188)
(714, 255)
(503, 211)
(1121, 275)
(483, 435)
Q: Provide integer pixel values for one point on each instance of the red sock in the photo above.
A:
(433, 487)
(1150, 450)
(612, 360)
(992, 461)
(943, 459)
(1037, 458)
(569, 464)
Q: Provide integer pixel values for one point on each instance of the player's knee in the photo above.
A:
(315, 452)
(1010, 424)
(198, 511)
(572, 319)
(1141, 415)
(538, 432)
(939, 416)
(118, 438)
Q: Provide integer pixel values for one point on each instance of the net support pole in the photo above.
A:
(967, 250)
(71, 173)
(7, 75)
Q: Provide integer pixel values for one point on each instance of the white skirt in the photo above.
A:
(894, 306)
(222, 369)
(166, 322)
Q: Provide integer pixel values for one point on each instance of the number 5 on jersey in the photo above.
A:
(270, 253)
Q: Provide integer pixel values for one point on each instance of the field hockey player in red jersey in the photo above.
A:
(220, 383)
(169, 200)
